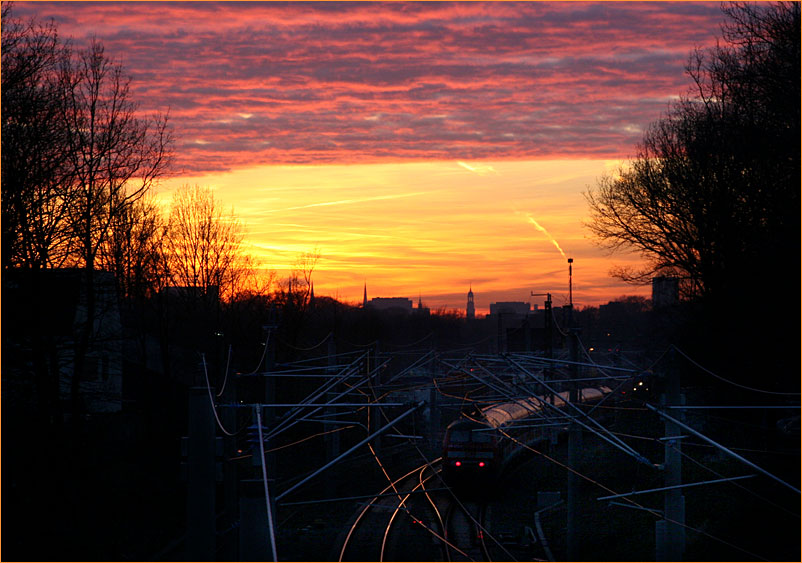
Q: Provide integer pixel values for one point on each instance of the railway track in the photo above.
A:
(416, 518)
(465, 532)
(400, 508)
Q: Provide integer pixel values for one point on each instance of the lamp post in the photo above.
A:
(570, 283)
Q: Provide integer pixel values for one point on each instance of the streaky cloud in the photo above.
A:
(347, 201)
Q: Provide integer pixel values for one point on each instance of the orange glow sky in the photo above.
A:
(417, 145)
(432, 229)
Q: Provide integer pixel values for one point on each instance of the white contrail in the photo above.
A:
(347, 201)
(540, 228)
(481, 169)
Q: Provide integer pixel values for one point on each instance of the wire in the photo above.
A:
(318, 345)
(725, 380)
(211, 401)
(264, 352)
(225, 378)
(413, 343)
(310, 437)
(740, 486)
(629, 500)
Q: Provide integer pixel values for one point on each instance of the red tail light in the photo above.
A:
(481, 464)
(457, 463)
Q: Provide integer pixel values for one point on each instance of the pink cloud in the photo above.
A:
(253, 82)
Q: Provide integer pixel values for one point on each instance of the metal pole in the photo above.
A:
(268, 501)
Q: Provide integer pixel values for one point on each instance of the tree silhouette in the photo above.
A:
(712, 194)
(76, 155)
(35, 172)
(204, 244)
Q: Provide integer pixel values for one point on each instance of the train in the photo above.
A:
(476, 448)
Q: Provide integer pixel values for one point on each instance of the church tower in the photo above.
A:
(365, 296)
(470, 313)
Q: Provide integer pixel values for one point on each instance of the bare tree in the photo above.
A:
(302, 273)
(132, 250)
(76, 156)
(712, 194)
(204, 244)
(114, 156)
(35, 174)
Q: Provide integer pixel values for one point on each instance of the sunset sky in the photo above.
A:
(422, 148)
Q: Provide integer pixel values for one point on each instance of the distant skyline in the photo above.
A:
(421, 147)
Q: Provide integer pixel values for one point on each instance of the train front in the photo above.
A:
(470, 454)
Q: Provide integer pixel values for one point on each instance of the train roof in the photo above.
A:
(505, 413)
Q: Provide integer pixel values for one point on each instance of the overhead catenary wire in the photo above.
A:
(722, 448)
(318, 345)
(349, 451)
(225, 375)
(290, 418)
(211, 400)
(605, 434)
(656, 514)
(264, 353)
(735, 484)
(733, 383)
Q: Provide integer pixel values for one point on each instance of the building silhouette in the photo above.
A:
(470, 310)
(515, 308)
(665, 291)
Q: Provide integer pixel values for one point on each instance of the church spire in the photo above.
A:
(470, 311)
(365, 296)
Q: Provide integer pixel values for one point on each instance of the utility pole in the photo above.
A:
(670, 532)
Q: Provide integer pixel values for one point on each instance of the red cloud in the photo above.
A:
(253, 82)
